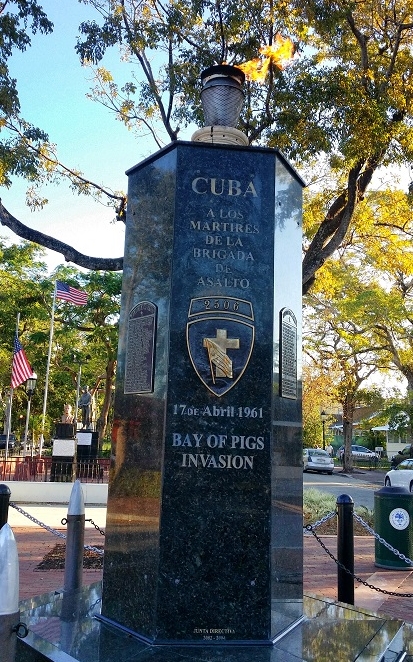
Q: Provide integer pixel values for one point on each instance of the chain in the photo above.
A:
(102, 533)
(93, 605)
(319, 522)
(97, 550)
(309, 527)
(36, 521)
(59, 534)
(380, 539)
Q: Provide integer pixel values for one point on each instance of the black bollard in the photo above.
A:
(345, 548)
(4, 504)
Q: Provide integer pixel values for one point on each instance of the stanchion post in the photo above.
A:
(345, 549)
(4, 504)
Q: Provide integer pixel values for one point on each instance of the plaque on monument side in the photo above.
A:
(288, 354)
(140, 348)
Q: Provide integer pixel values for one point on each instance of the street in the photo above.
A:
(360, 487)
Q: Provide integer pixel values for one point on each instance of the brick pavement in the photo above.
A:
(320, 571)
(320, 577)
(33, 543)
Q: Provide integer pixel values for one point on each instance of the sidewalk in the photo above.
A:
(320, 571)
(320, 577)
(34, 542)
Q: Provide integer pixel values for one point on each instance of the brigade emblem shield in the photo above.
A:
(220, 336)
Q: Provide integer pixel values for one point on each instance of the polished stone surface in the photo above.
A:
(204, 521)
(329, 631)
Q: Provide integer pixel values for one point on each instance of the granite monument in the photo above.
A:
(204, 521)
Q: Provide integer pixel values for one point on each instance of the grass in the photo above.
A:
(317, 504)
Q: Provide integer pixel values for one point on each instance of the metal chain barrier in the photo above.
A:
(59, 534)
(54, 532)
(311, 528)
(380, 539)
(102, 533)
(319, 522)
(94, 549)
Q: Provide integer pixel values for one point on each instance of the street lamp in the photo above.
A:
(324, 417)
(30, 388)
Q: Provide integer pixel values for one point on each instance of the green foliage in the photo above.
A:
(317, 504)
(84, 336)
(18, 138)
(317, 397)
(351, 78)
(367, 288)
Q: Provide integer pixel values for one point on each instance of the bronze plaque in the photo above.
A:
(288, 354)
(140, 348)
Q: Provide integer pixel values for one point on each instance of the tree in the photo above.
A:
(346, 100)
(317, 397)
(339, 346)
(370, 282)
(86, 337)
(83, 335)
(345, 103)
(26, 150)
(17, 156)
(381, 255)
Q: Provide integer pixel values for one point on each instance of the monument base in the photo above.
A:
(328, 631)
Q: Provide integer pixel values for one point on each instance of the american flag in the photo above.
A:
(70, 294)
(21, 368)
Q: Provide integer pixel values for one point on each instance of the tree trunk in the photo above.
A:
(348, 417)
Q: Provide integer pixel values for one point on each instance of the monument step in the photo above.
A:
(389, 580)
(329, 631)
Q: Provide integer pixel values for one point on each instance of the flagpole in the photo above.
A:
(79, 376)
(10, 400)
(46, 387)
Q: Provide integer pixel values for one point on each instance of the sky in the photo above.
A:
(52, 88)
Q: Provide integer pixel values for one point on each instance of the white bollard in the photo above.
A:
(9, 593)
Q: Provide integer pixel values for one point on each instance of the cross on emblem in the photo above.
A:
(217, 353)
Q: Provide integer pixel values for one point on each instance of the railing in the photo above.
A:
(367, 463)
(50, 469)
(345, 550)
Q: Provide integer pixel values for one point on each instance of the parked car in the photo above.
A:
(3, 439)
(401, 476)
(315, 459)
(406, 452)
(359, 452)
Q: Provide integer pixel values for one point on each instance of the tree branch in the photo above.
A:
(333, 228)
(147, 70)
(362, 42)
(69, 253)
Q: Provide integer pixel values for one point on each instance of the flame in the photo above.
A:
(280, 55)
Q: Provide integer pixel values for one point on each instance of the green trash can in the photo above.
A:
(393, 521)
